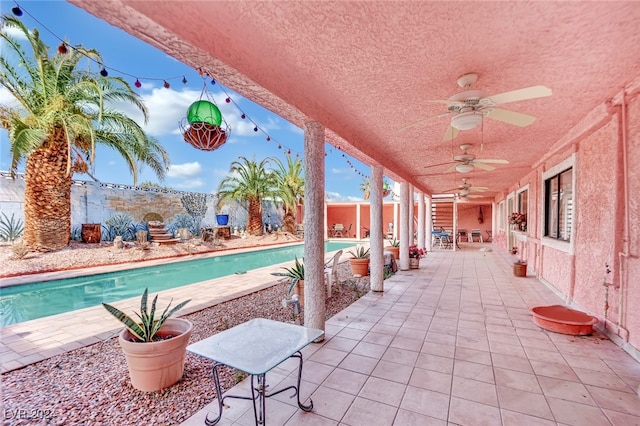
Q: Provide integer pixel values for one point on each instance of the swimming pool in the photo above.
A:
(37, 300)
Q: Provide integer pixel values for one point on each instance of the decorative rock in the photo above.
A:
(118, 243)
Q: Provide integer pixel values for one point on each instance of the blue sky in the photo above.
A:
(191, 169)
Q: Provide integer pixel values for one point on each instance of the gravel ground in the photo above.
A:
(90, 386)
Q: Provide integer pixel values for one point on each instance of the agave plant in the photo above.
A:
(148, 327)
(295, 273)
(360, 253)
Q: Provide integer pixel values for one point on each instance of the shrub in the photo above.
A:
(10, 228)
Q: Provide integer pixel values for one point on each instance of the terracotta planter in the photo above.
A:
(359, 267)
(520, 269)
(157, 365)
(299, 290)
(91, 233)
(414, 262)
(561, 319)
(395, 251)
(205, 136)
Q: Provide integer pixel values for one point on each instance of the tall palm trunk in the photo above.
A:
(47, 196)
(289, 222)
(254, 227)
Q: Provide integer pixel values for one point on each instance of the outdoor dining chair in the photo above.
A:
(331, 271)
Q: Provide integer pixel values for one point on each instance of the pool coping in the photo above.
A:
(35, 340)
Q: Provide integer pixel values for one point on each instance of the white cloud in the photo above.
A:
(7, 99)
(14, 32)
(336, 196)
(190, 184)
(186, 170)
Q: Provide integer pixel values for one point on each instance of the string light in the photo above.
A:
(64, 47)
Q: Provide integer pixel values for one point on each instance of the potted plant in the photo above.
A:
(155, 349)
(415, 254)
(360, 261)
(520, 268)
(394, 247)
(296, 275)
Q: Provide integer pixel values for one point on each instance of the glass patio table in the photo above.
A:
(256, 347)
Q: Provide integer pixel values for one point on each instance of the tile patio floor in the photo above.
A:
(452, 343)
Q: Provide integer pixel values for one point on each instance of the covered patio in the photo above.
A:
(451, 343)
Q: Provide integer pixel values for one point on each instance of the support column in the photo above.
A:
(404, 226)
(429, 224)
(376, 240)
(314, 286)
(396, 222)
(421, 214)
(412, 229)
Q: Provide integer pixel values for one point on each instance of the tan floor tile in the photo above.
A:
(622, 419)
(512, 418)
(603, 380)
(533, 404)
(512, 363)
(392, 371)
(328, 356)
(378, 338)
(409, 418)
(574, 414)
(438, 349)
(302, 418)
(473, 355)
(384, 391)
(473, 390)
(316, 372)
(517, 380)
(407, 343)
(369, 349)
(442, 338)
(614, 400)
(367, 412)
(471, 370)
(588, 363)
(563, 389)
(552, 357)
(426, 402)
(435, 363)
(507, 349)
(359, 363)
(331, 403)
(401, 356)
(345, 381)
(431, 380)
(465, 412)
(341, 344)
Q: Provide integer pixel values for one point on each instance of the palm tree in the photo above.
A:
(249, 181)
(365, 187)
(290, 190)
(61, 114)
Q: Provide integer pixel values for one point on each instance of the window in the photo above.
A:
(522, 204)
(559, 205)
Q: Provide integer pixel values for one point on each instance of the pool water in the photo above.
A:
(30, 301)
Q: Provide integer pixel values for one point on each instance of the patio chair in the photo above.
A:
(347, 231)
(462, 234)
(476, 233)
(331, 271)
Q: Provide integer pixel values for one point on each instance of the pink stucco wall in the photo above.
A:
(599, 222)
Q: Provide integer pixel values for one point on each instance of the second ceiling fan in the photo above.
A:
(466, 162)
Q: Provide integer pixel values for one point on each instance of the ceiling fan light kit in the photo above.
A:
(464, 167)
(467, 120)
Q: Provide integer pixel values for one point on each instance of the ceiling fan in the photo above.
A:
(464, 189)
(465, 162)
(470, 106)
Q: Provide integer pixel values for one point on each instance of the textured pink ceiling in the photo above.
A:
(366, 69)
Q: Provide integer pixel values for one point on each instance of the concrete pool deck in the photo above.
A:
(32, 341)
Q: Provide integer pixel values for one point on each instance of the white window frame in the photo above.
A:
(566, 246)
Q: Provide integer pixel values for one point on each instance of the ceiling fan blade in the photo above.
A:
(478, 188)
(451, 133)
(424, 120)
(452, 168)
(483, 166)
(511, 117)
(532, 92)
(439, 101)
(439, 164)
(491, 160)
